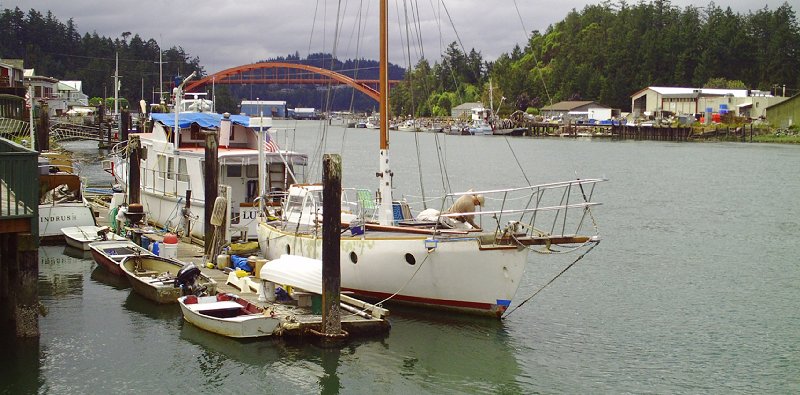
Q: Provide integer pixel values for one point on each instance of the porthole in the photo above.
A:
(410, 259)
(353, 257)
(288, 250)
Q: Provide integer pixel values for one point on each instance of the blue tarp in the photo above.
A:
(205, 120)
(240, 262)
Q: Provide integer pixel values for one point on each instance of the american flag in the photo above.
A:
(269, 143)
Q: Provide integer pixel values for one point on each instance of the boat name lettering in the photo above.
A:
(59, 218)
(249, 214)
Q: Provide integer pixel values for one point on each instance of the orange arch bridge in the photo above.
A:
(285, 73)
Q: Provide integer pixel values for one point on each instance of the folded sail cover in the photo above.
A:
(205, 120)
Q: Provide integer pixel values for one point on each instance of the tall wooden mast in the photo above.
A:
(385, 216)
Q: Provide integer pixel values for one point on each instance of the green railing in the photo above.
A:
(19, 183)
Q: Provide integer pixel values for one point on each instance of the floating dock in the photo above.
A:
(298, 316)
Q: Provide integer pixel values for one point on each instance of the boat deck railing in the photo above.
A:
(19, 197)
(551, 210)
(168, 183)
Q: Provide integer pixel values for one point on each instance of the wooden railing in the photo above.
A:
(19, 188)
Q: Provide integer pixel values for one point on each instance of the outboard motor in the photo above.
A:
(186, 280)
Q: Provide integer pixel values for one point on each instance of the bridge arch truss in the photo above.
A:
(284, 73)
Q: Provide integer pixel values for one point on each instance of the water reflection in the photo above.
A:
(20, 371)
(77, 253)
(103, 276)
(59, 274)
(147, 308)
(329, 383)
(251, 352)
(443, 353)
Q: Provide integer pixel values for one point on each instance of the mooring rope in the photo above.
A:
(551, 280)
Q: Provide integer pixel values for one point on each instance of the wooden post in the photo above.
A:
(42, 133)
(187, 214)
(134, 175)
(331, 235)
(26, 312)
(211, 184)
(101, 113)
(125, 125)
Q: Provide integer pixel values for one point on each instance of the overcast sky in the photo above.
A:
(228, 33)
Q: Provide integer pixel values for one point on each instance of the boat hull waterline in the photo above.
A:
(456, 275)
(228, 315)
(153, 284)
(109, 254)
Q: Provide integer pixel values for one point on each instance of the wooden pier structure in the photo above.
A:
(658, 133)
(19, 241)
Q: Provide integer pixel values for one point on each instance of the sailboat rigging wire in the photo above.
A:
(357, 27)
(441, 156)
(407, 51)
(313, 24)
(551, 280)
(533, 52)
(336, 35)
(522, 170)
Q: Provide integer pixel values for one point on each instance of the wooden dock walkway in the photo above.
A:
(297, 318)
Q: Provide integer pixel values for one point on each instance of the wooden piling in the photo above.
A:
(101, 113)
(19, 292)
(211, 182)
(134, 176)
(187, 213)
(124, 125)
(27, 291)
(331, 235)
(42, 130)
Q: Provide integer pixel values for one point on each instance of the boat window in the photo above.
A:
(233, 171)
(162, 165)
(183, 171)
(194, 131)
(171, 168)
(295, 202)
(251, 171)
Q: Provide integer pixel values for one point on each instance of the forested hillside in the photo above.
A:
(56, 49)
(606, 52)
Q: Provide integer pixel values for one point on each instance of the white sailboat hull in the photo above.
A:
(456, 274)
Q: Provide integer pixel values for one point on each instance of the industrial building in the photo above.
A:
(786, 113)
(655, 101)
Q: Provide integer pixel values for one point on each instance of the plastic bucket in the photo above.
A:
(168, 250)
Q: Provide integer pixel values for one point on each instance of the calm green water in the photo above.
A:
(694, 289)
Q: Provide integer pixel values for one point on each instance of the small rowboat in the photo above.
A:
(164, 280)
(109, 254)
(228, 315)
(80, 236)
